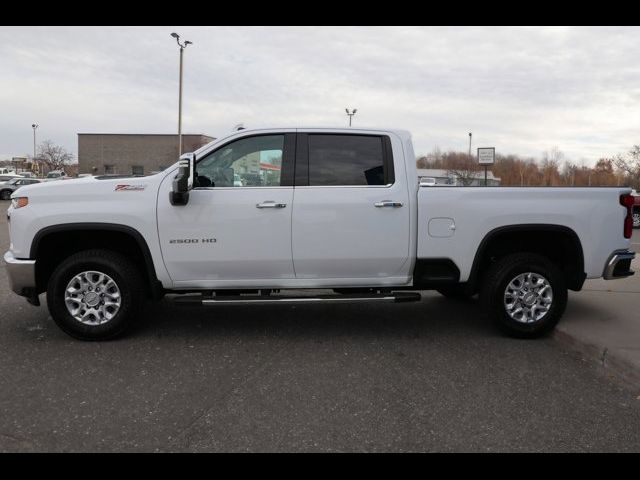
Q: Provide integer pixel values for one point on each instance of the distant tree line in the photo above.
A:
(550, 170)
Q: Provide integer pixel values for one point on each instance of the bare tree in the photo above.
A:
(422, 162)
(569, 173)
(436, 153)
(463, 168)
(554, 155)
(55, 157)
(603, 172)
(549, 166)
(629, 165)
(525, 168)
(431, 160)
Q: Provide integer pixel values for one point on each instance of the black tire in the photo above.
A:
(123, 272)
(5, 195)
(456, 292)
(500, 275)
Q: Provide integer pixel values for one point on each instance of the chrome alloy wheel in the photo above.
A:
(636, 219)
(93, 298)
(528, 297)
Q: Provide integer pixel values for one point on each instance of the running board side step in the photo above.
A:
(199, 300)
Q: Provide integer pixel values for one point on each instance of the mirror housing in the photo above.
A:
(183, 182)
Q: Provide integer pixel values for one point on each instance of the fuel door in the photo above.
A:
(442, 227)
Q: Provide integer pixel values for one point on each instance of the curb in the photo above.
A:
(613, 363)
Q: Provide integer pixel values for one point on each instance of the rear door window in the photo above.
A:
(348, 160)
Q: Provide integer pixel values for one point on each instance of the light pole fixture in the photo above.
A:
(182, 46)
(351, 114)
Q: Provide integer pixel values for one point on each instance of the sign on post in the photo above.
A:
(486, 156)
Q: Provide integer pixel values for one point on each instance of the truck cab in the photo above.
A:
(337, 231)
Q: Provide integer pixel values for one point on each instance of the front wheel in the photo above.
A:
(5, 195)
(95, 295)
(525, 294)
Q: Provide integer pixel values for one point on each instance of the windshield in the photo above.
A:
(13, 182)
(53, 175)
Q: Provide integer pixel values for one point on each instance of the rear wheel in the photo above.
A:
(95, 295)
(525, 294)
(636, 219)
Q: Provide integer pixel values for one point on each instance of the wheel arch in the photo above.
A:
(559, 243)
(52, 244)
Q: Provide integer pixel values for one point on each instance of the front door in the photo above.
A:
(236, 228)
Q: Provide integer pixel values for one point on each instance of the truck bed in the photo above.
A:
(454, 221)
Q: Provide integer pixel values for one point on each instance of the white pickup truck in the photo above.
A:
(309, 208)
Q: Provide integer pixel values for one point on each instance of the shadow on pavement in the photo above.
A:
(434, 315)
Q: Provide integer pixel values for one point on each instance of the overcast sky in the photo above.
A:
(522, 90)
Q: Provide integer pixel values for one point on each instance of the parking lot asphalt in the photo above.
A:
(427, 376)
(603, 322)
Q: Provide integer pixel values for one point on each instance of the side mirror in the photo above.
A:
(183, 182)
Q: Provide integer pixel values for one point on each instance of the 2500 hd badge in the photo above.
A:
(192, 241)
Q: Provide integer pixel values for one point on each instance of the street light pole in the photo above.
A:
(180, 106)
(470, 134)
(182, 47)
(35, 126)
(350, 114)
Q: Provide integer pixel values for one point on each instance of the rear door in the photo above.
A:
(351, 208)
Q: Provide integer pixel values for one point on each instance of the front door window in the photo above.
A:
(248, 162)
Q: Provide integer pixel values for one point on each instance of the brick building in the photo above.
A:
(139, 154)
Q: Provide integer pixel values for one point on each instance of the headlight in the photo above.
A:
(19, 202)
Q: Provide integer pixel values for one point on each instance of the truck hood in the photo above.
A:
(88, 188)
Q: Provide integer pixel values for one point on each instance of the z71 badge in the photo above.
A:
(129, 188)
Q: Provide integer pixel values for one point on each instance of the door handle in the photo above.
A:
(387, 203)
(270, 204)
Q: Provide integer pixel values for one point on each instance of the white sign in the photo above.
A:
(486, 156)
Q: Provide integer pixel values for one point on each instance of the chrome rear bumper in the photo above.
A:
(619, 265)
(22, 275)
